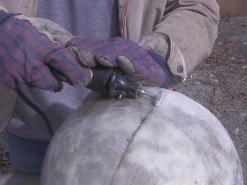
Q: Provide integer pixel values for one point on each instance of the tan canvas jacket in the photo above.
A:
(182, 31)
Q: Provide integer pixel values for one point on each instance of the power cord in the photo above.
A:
(36, 109)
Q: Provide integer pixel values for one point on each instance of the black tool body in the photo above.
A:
(113, 82)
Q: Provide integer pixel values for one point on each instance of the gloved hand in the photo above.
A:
(136, 62)
(29, 57)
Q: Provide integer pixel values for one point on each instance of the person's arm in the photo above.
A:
(185, 35)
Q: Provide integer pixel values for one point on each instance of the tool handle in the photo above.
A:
(113, 82)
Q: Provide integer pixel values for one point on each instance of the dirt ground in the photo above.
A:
(218, 83)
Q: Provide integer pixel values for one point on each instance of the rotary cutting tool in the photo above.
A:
(113, 82)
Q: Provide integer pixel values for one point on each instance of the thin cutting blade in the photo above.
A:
(155, 97)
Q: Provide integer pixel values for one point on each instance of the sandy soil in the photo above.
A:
(218, 83)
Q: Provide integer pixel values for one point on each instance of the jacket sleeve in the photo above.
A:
(189, 29)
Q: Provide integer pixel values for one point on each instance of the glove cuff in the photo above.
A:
(4, 16)
(163, 64)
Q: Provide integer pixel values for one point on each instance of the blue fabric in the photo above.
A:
(91, 19)
(26, 155)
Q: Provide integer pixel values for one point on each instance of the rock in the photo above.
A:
(125, 142)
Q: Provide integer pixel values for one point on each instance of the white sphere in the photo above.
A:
(135, 142)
